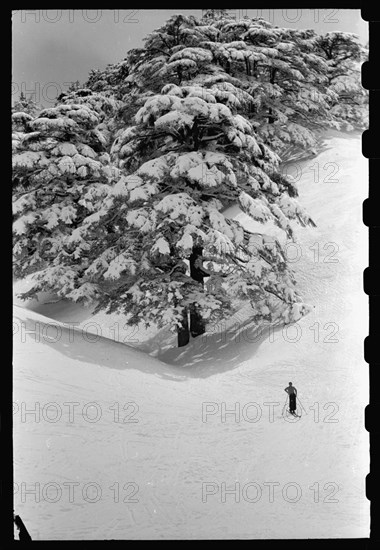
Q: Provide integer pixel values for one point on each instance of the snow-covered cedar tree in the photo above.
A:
(283, 75)
(278, 78)
(23, 111)
(61, 173)
(208, 106)
(344, 55)
(186, 157)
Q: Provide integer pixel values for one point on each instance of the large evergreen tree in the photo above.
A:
(186, 158)
(272, 75)
(190, 154)
(192, 122)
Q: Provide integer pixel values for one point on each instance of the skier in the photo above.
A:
(292, 392)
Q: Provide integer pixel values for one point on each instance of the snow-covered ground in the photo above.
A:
(176, 463)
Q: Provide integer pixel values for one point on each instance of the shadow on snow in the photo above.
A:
(204, 356)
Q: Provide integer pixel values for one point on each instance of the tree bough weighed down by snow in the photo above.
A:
(134, 216)
(61, 171)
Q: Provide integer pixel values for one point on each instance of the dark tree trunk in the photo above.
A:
(247, 67)
(196, 269)
(195, 135)
(197, 324)
(179, 74)
(183, 331)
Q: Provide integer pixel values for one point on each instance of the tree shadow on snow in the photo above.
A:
(59, 309)
(214, 353)
(204, 356)
(80, 345)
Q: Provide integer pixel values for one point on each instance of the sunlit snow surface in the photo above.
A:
(292, 478)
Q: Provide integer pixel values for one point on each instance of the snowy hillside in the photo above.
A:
(159, 468)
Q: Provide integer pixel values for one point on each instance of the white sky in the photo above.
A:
(52, 48)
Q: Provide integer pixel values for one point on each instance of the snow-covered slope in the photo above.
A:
(293, 478)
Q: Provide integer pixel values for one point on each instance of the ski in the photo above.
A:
(294, 414)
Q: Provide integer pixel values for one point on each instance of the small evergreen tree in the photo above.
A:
(24, 105)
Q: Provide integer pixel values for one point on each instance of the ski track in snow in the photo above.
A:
(170, 451)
